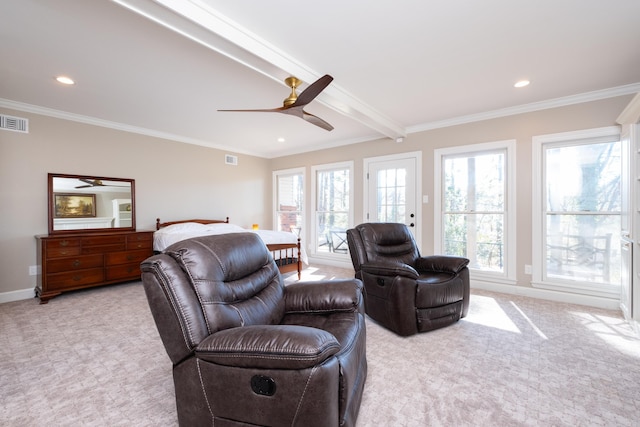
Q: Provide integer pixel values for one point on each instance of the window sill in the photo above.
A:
(582, 288)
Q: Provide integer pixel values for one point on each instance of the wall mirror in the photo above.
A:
(79, 203)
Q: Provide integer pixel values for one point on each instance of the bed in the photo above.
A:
(284, 247)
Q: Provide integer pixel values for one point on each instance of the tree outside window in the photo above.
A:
(332, 209)
(474, 208)
(582, 210)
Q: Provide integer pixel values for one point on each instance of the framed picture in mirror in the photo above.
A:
(69, 205)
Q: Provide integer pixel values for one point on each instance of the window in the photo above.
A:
(391, 195)
(289, 200)
(474, 206)
(577, 211)
(333, 195)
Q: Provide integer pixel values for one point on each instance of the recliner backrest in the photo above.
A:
(214, 283)
(383, 242)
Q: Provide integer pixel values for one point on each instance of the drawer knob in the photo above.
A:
(64, 243)
(77, 277)
(77, 263)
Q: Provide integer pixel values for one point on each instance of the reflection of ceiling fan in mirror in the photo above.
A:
(294, 104)
(96, 183)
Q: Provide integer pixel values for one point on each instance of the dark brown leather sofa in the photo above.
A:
(246, 350)
(404, 291)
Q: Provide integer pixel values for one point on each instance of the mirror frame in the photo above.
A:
(51, 204)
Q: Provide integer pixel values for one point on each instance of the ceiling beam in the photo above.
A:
(204, 25)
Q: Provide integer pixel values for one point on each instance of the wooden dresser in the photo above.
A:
(77, 261)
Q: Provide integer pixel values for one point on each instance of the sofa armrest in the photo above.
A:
(390, 269)
(323, 296)
(441, 263)
(268, 347)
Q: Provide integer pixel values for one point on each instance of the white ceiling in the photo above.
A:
(165, 67)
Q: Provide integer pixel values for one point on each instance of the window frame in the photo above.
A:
(508, 275)
(276, 212)
(313, 240)
(539, 144)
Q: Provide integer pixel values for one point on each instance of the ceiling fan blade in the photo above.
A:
(314, 89)
(317, 121)
(299, 112)
(84, 186)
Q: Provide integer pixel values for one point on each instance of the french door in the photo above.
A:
(391, 194)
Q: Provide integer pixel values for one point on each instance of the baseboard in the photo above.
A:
(331, 262)
(17, 295)
(588, 300)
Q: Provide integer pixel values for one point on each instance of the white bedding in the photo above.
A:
(171, 234)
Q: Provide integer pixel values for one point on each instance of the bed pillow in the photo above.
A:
(223, 228)
(184, 227)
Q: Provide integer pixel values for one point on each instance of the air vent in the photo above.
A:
(231, 160)
(16, 124)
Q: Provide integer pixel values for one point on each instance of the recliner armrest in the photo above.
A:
(323, 296)
(269, 347)
(390, 269)
(441, 263)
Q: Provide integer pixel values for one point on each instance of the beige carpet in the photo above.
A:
(93, 358)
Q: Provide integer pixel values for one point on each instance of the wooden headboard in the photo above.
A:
(159, 224)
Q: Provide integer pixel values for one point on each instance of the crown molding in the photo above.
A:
(631, 113)
(528, 108)
(79, 118)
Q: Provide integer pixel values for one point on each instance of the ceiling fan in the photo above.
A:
(295, 103)
(96, 183)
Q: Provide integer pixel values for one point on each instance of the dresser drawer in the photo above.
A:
(103, 240)
(116, 258)
(73, 279)
(74, 263)
(102, 244)
(62, 243)
(140, 241)
(63, 252)
(87, 250)
(62, 247)
(124, 272)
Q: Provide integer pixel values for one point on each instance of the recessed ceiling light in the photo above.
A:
(522, 83)
(281, 139)
(65, 80)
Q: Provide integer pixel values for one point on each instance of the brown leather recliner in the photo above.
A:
(404, 291)
(246, 350)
